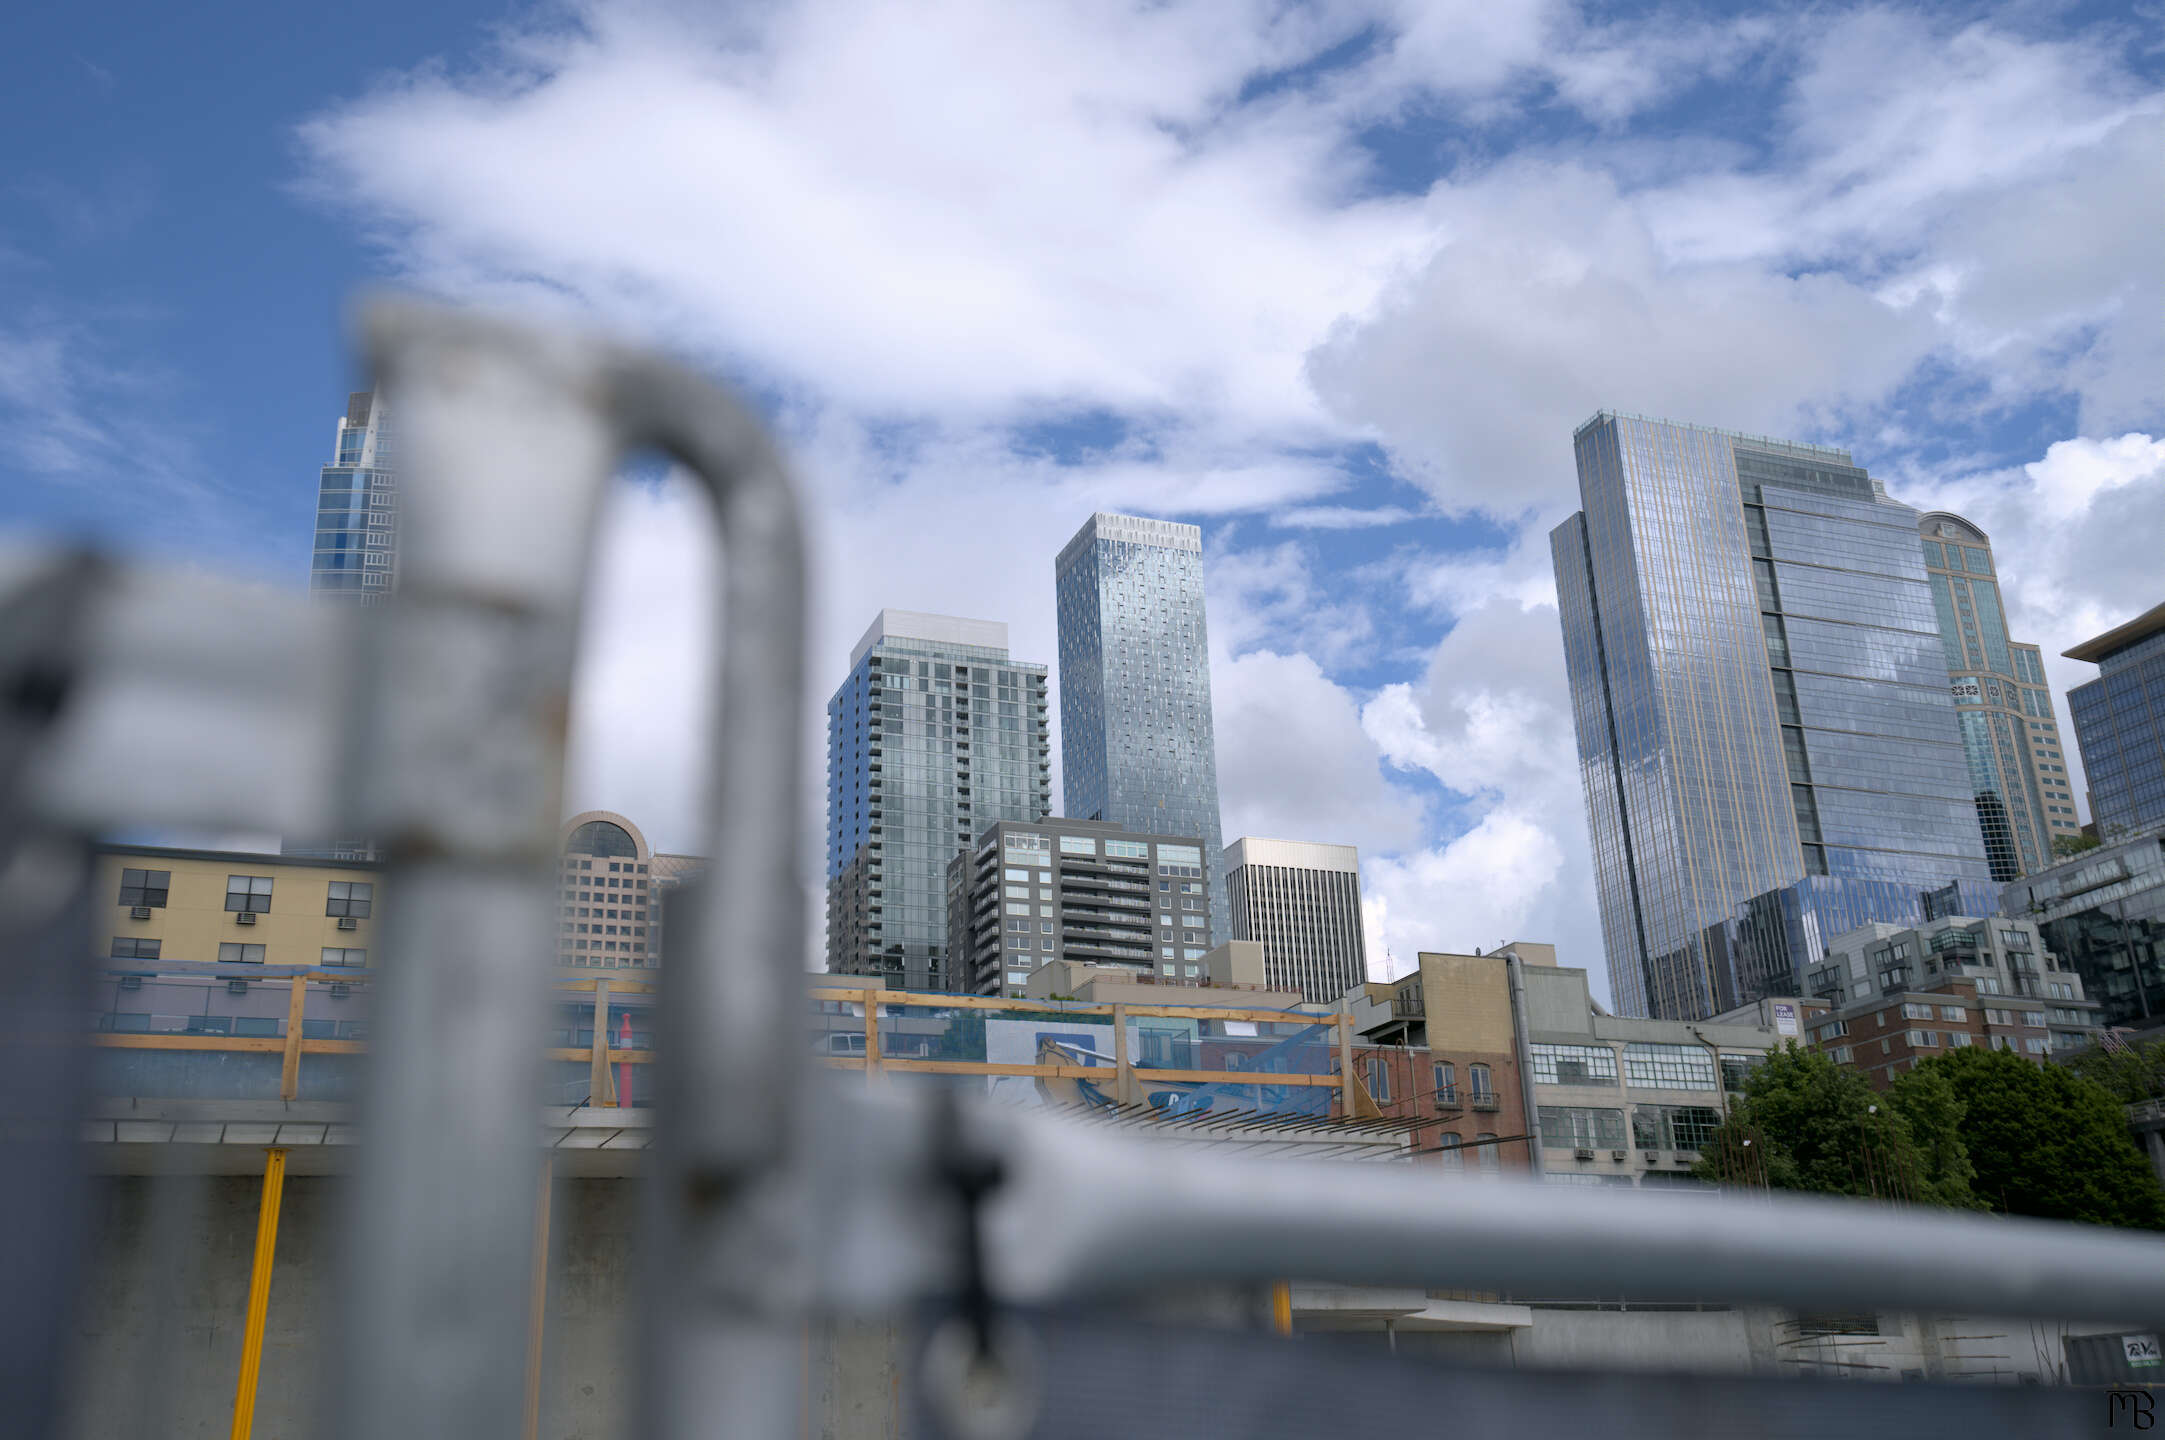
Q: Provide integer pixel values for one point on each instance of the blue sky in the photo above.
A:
(1333, 280)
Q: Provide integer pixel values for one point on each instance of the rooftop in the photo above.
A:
(2103, 647)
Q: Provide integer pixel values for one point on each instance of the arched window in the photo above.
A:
(1446, 1083)
(1448, 1142)
(1477, 1080)
(1486, 1155)
(602, 837)
(1379, 1080)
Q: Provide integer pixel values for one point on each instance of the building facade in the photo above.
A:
(356, 553)
(2120, 723)
(1078, 890)
(2102, 913)
(936, 733)
(2010, 735)
(611, 893)
(1896, 995)
(1303, 902)
(1766, 736)
(1137, 742)
(179, 906)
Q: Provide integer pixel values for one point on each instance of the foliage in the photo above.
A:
(1927, 1100)
(2047, 1142)
(2066, 845)
(2131, 1076)
(1805, 1123)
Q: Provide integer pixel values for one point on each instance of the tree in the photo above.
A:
(1935, 1113)
(2065, 845)
(2046, 1142)
(2132, 1074)
(1805, 1123)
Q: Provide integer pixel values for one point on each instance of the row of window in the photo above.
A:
(1647, 1065)
(1653, 1127)
(1480, 1083)
(244, 893)
(131, 947)
(137, 1022)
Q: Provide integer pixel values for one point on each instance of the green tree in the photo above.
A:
(1805, 1123)
(1927, 1100)
(2133, 1074)
(2046, 1142)
(2066, 845)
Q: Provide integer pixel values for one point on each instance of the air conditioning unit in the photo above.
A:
(340, 989)
(1582, 1154)
(139, 912)
(236, 987)
(1619, 1155)
(245, 917)
(131, 982)
(347, 922)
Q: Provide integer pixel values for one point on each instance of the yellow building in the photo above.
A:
(234, 908)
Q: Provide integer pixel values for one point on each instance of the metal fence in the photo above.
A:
(133, 697)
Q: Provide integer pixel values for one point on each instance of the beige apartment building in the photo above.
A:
(153, 903)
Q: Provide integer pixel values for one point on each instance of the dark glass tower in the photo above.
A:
(2120, 720)
(1137, 744)
(1765, 732)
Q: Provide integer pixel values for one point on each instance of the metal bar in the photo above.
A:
(289, 1069)
(259, 1293)
(1059, 1231)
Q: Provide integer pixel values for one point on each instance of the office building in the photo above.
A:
(356, 555)
(936, 733)
(1897, 995)
(611, 893)
(1138, 746)
(1303, 902)
(2120, 723)
(2010, 737)
(1076, 890)
(2102, 913)
(1766, 736)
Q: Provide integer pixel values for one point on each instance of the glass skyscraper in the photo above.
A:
(935, 735)
(2010, 739)
(1137, 744)
(1766, 737)
(356, 558)
(2120, 720)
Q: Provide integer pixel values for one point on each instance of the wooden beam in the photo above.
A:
(917, 1001)
(600, 1086)
(289, 1070)
(1123, 1066)
(259, 1293)
(871, 1033)
(1243, 1078)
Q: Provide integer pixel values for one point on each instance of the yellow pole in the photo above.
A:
(537, 1301)
(1281, 1308)
(259, 1293)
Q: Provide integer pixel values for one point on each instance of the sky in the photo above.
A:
(1334, 281)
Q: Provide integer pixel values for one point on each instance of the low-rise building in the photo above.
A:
(1082, 890)
(1896, 994)
(171, 905)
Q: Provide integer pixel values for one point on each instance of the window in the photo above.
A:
(1674, 1127)
(1921, 1039)
(333, 955)
(1956, 1039)
(1078, 845)
(349, 897)
(230, 954)
(1916, 1012)
(250, 893)
(1736, 1069)
(1448, 1144)
(1574, 1064)
(1566, 1127)
(1477, 1081)
(145, 887)
(1673, 1067)
(1379, 1080)
(2036, 1045)
(1953, 1012)
(1486, 1154)
(127, 947)
(1987, 985)
(1446, 1082)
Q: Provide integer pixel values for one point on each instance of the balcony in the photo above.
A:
(1410, 1005)
(1447, 1099)
(1485, 1101)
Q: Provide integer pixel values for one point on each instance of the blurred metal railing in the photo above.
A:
(131, 697)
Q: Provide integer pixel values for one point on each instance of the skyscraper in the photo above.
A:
(935, 734)
(1137, 744)
(2010, 739)
(1303, 902)
(2120, 720)
(356, 558)
(1766, 738)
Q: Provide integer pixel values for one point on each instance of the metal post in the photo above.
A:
(537, 1303)
(259, 1292)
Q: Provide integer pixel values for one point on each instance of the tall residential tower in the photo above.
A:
(936, 734)
(2010, 738)
(1137, 744)
(1303, 902)
(356, 557)
(1766, 737)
